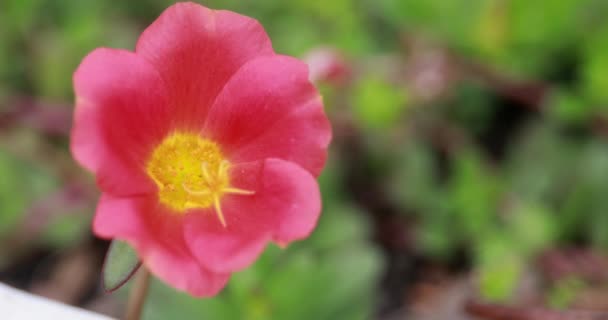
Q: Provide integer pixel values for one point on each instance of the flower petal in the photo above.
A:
(284, 208)
(291, 195)
(196, 50)
(121, 112)
(117, 218)
(222, 250)
(280, 116)
(182, 271)
(156, 235)
(301, 137)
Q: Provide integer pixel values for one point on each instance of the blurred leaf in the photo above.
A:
(21, 185)
(564, 292)
(330, 180)
(437, 235)
(500, 268)
(19, 15)
(339, 225)
(568, 107)
(378, 104)
(474, 195)
(595, 78)
(66, 228)
(414, 185)
(540, 163)
(472, 107)
(532, 228)
(12, 204)
(491, 30)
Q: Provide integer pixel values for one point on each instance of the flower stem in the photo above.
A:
(137, 296)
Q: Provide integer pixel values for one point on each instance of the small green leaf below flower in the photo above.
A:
(120, 264)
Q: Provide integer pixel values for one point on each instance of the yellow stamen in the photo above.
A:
(195, 192)
(205, 170)
(191, 173)
(238, 191)
(224, 167)
(218, 211)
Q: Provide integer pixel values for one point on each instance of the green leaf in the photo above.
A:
(499, 267)
(532, 227)
(66, 228)
(474, 195)
(564, 292)
(378, 104)
(120, 264)
(568, 107)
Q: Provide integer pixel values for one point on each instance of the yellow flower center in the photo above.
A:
(191, 172)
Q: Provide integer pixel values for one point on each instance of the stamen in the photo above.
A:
(196, 192)
(218, 210)
(205, 169)
(238, 191)
(224, 165)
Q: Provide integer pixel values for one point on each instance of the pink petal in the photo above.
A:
(284, 208)
(121, 113)
(182, 271)
(157, 235)
(197, 50)
(301, 137)
(292, 196)
(270, 109)
(117, 218)
(327, 65)
(222, 250)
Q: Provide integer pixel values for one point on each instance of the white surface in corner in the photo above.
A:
(18, 305)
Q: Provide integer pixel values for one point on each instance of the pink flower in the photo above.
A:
(205, 144)
(327, 65)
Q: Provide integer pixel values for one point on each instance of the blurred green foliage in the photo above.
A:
(330, 277)
(377, 104)
(20, 185)
(470, 167)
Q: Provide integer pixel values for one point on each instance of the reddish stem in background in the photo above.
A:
(498, 312)
(137, 297)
